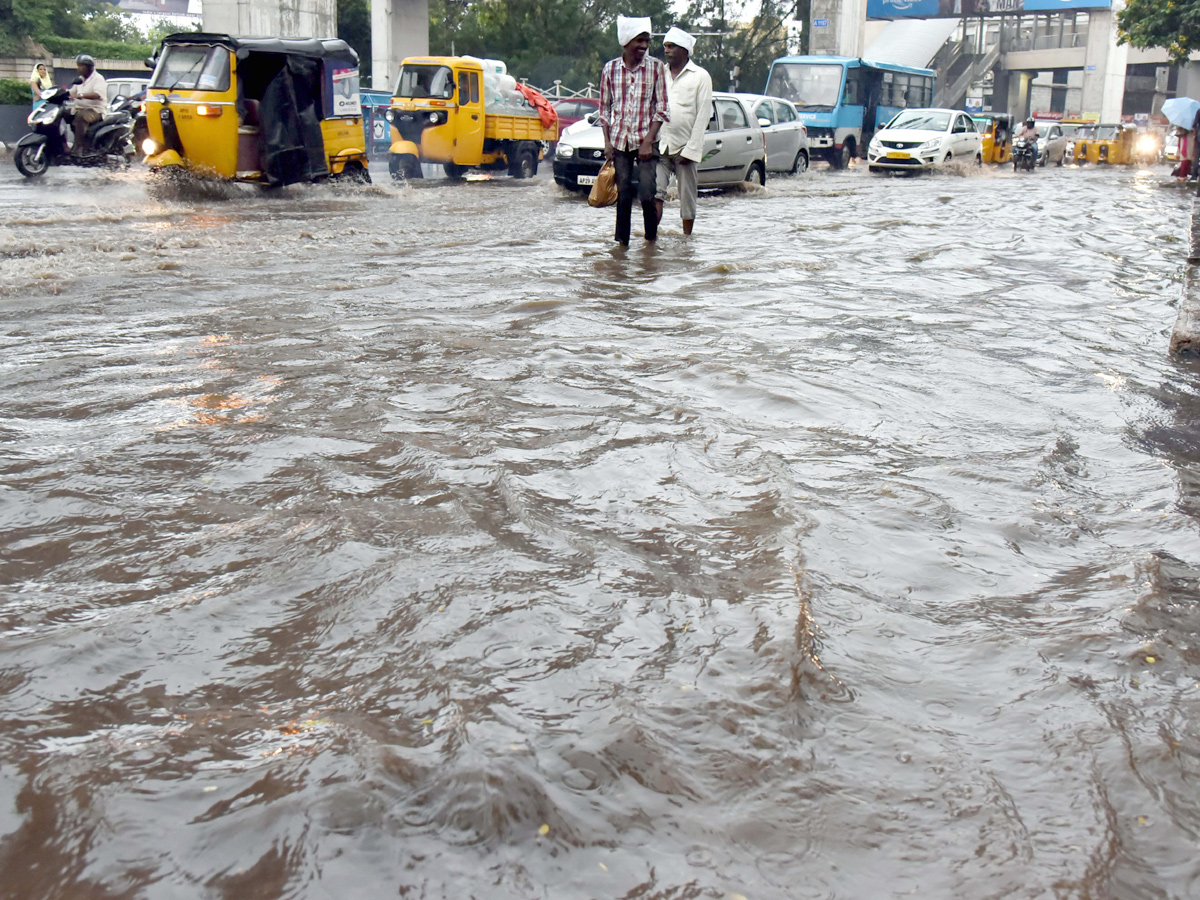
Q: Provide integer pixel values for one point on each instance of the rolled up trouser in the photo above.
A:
(684, 171)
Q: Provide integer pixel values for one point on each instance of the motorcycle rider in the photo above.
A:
(89, 95)
(1027, 131)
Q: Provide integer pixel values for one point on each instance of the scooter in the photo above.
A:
(1024, 155)
(109, 141)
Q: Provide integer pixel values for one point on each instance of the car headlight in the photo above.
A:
(564, 151)
(930, 145)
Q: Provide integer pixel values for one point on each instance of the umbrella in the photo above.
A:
(1181, 111)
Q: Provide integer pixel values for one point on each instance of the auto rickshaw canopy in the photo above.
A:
(314, 48)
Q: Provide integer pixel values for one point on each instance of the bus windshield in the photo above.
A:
(192, 67)
(425, 82)
(811, 86)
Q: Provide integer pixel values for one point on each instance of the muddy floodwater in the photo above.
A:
(412, 542)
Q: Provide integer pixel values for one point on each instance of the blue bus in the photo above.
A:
(842, 101)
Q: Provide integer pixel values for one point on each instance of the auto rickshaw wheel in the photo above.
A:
(525, 165)
(404, 166)
(454, 171)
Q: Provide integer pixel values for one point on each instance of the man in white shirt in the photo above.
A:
(89, 98)
(681, 141)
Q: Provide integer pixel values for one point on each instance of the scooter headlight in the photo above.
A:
(149, 147)
(1147, 144)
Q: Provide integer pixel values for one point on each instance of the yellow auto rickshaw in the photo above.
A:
(1114, 145)
(263, 110)
(997, 134)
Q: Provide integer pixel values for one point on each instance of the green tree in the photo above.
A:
(354, 27)
(1171, 24)
(741, 44)
(541, 40)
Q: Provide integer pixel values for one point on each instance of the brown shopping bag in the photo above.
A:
(604, 191)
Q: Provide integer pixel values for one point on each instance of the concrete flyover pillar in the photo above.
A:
(271, 18)
(837, 27)
(1104, 66)
(399, 28)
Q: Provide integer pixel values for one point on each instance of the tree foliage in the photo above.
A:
(544, 40)
(1170, 24)
(541, 40)
(354, 27)
(62, 26)
(740, 55)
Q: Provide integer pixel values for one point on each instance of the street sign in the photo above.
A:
(820, 23)
(1091, 68)
(974, 104)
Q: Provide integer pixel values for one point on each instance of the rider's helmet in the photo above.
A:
(84, 60)
(1029, 123)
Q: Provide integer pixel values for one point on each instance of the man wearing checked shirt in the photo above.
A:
(633, 107)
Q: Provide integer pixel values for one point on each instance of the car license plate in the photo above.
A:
(898, 154)
(586, 180)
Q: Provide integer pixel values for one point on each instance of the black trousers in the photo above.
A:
(625, 162)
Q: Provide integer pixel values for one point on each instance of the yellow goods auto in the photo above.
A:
(451, 111)
(997, 138)
(262, 110)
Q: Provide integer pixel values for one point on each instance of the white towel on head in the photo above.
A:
(629, 28)
(680, 38)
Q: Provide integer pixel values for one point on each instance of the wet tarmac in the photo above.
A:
(415, 542)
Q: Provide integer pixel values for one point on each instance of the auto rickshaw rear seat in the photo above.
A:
(249, 162)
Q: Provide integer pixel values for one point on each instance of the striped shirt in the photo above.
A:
(631, 100)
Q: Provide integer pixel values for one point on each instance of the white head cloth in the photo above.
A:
(680, 38)
(628, 29)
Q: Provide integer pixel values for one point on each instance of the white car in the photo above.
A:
(735, 149)
(787, 138)
(919, 139)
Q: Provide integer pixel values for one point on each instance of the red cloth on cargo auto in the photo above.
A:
(547, 113)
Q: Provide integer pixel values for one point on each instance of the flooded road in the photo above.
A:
(416, 543)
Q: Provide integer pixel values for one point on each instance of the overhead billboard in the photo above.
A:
(953, 9)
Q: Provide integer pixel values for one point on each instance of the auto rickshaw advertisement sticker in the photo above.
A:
(345, 93)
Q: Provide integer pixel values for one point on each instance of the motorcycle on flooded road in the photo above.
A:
(109, 141)
(1024, 155)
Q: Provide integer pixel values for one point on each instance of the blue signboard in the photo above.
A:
(820, 23)
(953, 9)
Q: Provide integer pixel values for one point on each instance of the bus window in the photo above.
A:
(855, 93)
(811, 86)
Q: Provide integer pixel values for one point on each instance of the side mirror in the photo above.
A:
(448, 92)
(151, 62)
(764, 122)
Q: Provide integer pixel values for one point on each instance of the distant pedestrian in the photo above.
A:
(39, 80)
(633, 108)
(689, 95)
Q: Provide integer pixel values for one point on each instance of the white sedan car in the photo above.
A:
(925, 139)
